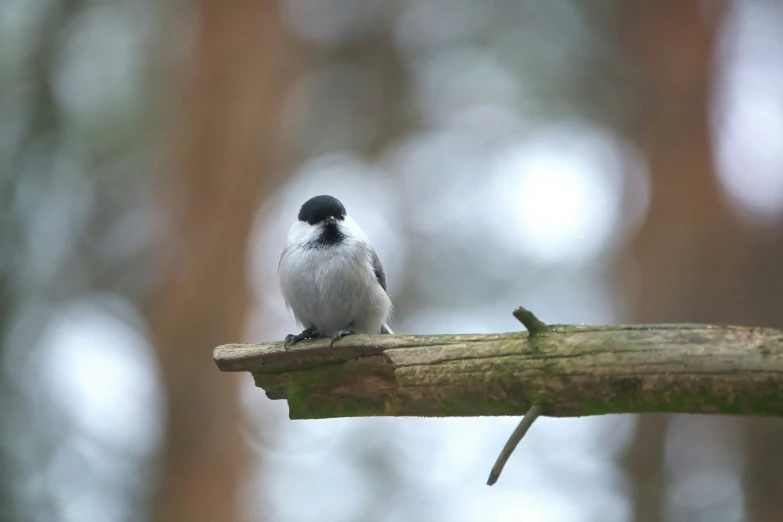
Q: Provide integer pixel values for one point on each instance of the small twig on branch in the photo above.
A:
(535, 327)
(530, 417)
(533, 324)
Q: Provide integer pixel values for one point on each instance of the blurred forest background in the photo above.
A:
(598, 162)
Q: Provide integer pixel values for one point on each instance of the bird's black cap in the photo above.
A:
(319, 208)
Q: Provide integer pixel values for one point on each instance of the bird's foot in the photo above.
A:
(340, 334)
(291, 339)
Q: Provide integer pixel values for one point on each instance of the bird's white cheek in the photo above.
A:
(351, 228)
(301, 232)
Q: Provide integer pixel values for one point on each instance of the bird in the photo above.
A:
(331, 277)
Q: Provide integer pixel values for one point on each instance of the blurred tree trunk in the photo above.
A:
(693, 261)
(224, 156)
(763, 482)
(685, 263)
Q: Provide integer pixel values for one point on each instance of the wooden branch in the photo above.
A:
(568, 370)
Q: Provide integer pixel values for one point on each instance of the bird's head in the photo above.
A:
(323, 222)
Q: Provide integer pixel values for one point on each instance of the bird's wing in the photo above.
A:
(377, 267)
(380, 276)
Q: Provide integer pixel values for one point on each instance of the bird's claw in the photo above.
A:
(340, 334)
(292, 339)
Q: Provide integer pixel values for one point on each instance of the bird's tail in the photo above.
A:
(386, 330)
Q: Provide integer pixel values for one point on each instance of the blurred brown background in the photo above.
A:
(598, 162)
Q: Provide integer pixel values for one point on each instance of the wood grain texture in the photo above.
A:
(572, 371)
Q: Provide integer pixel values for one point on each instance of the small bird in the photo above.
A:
(331, 277)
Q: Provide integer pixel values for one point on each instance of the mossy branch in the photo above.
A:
(567, 370)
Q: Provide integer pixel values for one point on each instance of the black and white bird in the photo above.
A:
(331, 277)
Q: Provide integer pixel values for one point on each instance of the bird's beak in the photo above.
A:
(330, 221)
